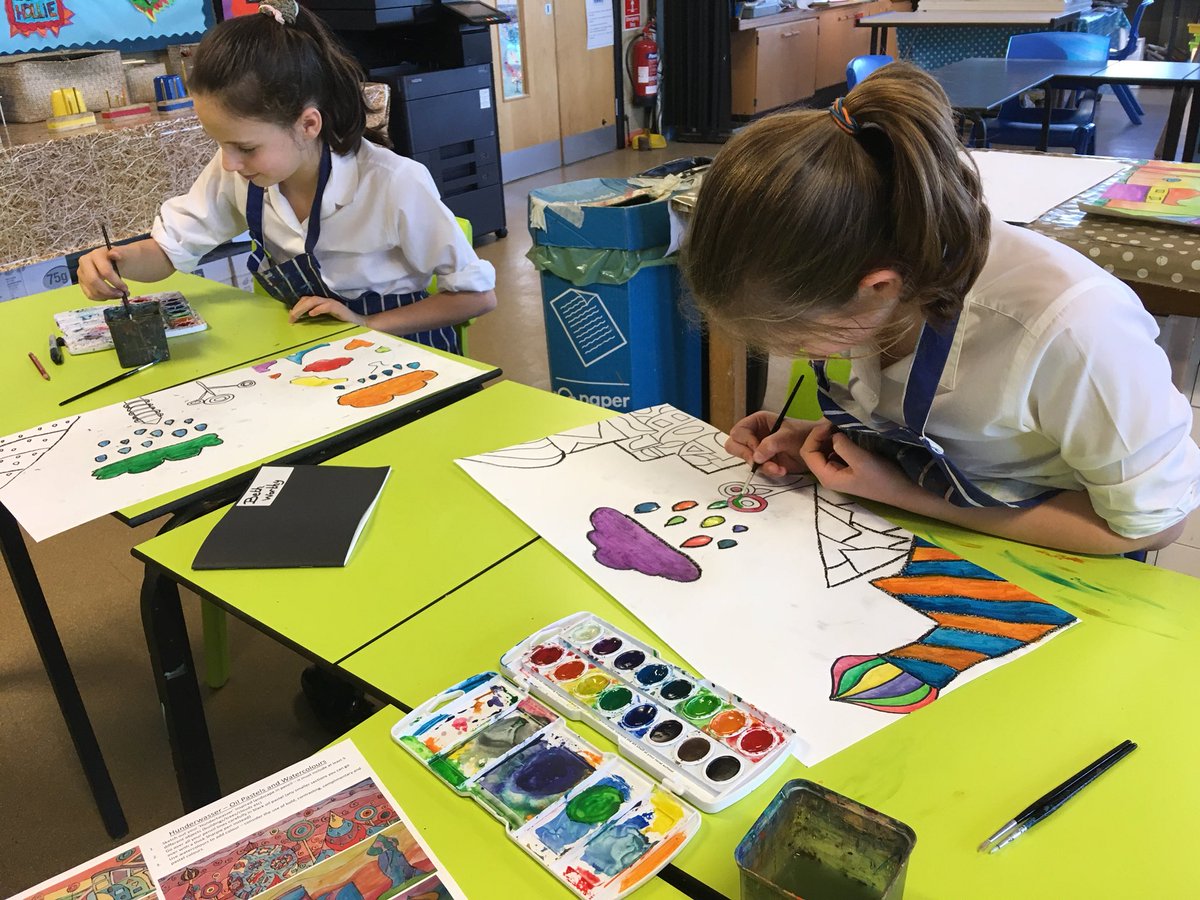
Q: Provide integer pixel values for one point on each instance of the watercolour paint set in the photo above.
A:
(85, 330)
(594, 821)
(703, 742)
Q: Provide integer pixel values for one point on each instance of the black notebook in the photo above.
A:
(294, 517)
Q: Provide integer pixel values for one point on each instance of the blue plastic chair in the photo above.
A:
(1124, 96)
(862, 66)
(1070, 126)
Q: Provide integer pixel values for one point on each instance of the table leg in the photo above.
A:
(58, 670)
(874, 40)
(1047, 113)
(1174, 123)
(1192, 132)
(175, 677)
(883, 39)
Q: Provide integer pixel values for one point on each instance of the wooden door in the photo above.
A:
(527, 89)
(586, 89)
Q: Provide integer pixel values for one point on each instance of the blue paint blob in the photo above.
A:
(157, 432)
(640, 716)
(104, 443)
(372, 377)
(179, 432)
(618, 847)
(188, 421)
(652, 674)
(147, 443)
(201, 427)
(102, 457)
(140, 431)
(726, 543)
(124, 449)
(645, 507)
(554, 770)
(415, 365)
(738, 529)
(169, 422)
(339, 387)
(124, 440)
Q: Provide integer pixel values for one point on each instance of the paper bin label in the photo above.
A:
(588, 324)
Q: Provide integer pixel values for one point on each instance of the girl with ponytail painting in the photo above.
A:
(341, 226)
(1000, 381)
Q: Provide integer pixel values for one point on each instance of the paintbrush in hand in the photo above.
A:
(124, 294)
(774, 428)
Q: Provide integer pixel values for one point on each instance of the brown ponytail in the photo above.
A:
(800, 206)
(259, 68)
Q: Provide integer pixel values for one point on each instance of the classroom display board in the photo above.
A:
(64, 473)
(118, 24)
(326, 824)
(803, 602)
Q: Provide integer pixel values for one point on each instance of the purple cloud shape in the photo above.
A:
(623, 544)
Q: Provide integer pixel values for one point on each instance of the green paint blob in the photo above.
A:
(152, 459)
(676, 520)
(447, 770)
(599, 803)
(719, 504)
(616, 698)
(701, 706)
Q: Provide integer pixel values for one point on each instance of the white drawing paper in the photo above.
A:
(804, 603)
(1022, 187)
(64, 473)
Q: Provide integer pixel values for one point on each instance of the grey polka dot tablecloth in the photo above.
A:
(1166, 255)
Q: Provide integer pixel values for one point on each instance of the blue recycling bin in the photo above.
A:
(616, 332)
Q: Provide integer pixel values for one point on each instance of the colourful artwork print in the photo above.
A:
(1160, 190)
(122, 876)
(978, 616)
(129, 463)
(42, 18)
(150, 8)
(293, 845)
(389, 864)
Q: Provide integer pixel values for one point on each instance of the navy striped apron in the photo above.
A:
(917, 454)
(292, 279)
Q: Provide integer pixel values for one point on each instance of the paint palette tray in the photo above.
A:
(594, 821)
(704, 742)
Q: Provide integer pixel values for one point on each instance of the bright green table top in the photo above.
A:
(953, 771)
(242, 327)
(470, 843)
(416, 546)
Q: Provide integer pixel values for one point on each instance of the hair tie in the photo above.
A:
(282, 11)
(844, 120)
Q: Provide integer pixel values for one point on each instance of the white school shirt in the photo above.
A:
(383, 226)
(1053, 380)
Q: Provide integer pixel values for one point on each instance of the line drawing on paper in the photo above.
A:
(589, 326)
(977, 616)
(210, 397)
(854, 542)
(143, 411)
(18, 452)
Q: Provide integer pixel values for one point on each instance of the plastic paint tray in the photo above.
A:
(705, 743)
(813, 843)
(595, 822)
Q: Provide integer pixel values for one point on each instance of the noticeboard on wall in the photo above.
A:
(37, 25)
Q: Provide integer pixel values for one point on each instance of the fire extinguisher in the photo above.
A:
(643, 55)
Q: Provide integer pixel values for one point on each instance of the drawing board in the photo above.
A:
(798, 599)
(67, 472)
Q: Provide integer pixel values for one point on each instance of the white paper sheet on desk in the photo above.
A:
(64, 473)
(1022, 187)
(805, 604)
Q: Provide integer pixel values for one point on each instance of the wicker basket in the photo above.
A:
(27, 80)
(141, 81)
(180, 59)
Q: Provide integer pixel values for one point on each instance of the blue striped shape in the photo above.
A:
(955, 568)
(935, 674)
(987, 644)
(1031, 611)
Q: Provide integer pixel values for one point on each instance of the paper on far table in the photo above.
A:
(317, 826)
(1022, 187)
